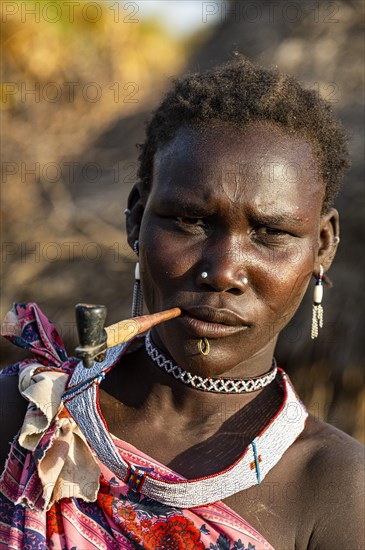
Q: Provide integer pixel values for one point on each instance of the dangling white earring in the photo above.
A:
(137, 303)
(317, 309)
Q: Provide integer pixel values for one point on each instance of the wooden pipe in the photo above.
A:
(125, 330)
(94, 339)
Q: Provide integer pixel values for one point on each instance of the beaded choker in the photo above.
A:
(214, 385)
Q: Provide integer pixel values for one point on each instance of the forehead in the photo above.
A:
(260, 162)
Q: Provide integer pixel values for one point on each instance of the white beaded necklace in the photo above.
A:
(261, 455)
(214, 385)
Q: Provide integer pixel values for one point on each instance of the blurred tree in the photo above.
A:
(68, 71)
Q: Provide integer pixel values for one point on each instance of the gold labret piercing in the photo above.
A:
(203, 346)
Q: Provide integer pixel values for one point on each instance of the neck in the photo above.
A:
(142, 386)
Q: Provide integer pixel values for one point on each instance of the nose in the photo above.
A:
(224, 271)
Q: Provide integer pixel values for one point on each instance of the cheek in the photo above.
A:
(163, 253)
(289, 289)
(166, 261)
(282, 280)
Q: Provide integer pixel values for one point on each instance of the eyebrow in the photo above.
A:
(253, 215)
(274, 218)
(177, 202)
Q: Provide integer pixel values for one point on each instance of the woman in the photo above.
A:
(230, 218)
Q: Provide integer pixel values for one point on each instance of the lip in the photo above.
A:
(212, 322)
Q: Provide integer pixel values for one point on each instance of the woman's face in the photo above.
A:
(234, 204)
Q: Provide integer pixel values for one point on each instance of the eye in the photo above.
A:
(270, 231)
(192, 225)
(269, 235)
(186, 220)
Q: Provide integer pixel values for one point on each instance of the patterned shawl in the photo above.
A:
(54, 491)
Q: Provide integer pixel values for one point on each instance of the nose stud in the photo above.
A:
(204, 275)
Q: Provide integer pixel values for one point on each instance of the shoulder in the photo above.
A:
(13, 407)
(331, 449)
(336, 471)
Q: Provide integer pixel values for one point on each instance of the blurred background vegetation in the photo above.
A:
(79, 79)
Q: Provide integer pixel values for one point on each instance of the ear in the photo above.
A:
(134, 217)
(329, 233)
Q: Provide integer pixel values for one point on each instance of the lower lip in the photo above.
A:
(210, 330)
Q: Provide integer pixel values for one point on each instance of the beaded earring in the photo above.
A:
(317, 309)
(137, 303)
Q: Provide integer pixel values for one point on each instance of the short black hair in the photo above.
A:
(240, 92)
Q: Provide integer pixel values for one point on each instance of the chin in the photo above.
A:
(225, 353)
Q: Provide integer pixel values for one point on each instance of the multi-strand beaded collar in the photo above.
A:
(260, 456)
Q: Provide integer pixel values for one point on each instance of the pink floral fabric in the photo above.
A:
(115, 517)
